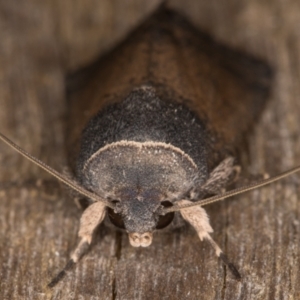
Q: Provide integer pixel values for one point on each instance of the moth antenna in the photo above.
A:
(234, 192)
(90, 219)
(54, 173)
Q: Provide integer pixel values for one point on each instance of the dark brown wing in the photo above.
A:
(225, 88)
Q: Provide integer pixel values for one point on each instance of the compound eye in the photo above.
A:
(116, 219)
(165, 220)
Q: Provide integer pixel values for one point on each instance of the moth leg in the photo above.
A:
(225, 173)
(90, 219)
(198, 218)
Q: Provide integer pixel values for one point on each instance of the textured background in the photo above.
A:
(43, 40)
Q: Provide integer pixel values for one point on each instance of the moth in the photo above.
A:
(155, 127)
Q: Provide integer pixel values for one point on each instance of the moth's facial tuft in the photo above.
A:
(140, 239)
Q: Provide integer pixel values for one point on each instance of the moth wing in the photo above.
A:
(225, 88)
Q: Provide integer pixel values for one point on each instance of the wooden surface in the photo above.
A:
(43, 40)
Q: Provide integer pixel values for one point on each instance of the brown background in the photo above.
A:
(43, 40)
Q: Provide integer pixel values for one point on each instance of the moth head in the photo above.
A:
(139, 213)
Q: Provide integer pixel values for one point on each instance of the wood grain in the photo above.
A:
(40, 43)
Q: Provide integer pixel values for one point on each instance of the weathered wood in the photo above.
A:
(40, 42)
